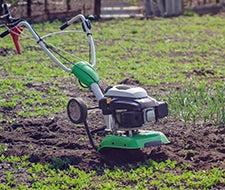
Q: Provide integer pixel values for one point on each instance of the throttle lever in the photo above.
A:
(91, 18)
(15, 32)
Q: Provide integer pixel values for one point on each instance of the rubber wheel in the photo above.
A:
(77, 111)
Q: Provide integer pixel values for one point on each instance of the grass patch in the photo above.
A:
(31, 101)
(163, 51)
(199, 102)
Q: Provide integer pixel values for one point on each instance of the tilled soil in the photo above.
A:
(199, 146)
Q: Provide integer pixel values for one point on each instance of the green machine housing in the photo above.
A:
(130, 109)
(85, 73)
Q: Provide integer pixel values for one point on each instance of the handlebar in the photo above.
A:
(14, 23)
(9, 20)
(86, 27)
(77, 19)
(64, 26)
(13, 30)
(3, 34)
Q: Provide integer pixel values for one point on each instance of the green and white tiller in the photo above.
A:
(126, 109)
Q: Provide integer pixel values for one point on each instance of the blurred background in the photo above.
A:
(43, 10)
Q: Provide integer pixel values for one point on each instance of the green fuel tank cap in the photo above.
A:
(85, 73)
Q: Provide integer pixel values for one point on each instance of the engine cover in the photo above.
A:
(126, 91)
(131, 107)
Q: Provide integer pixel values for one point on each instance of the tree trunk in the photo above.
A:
(29, 8)
(97, 8)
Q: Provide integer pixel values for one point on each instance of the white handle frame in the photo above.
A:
(43, 46)
(94, 87)
(88, 32)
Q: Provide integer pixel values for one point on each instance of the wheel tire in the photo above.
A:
(77, 111)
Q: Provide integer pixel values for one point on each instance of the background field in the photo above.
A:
(179, 60)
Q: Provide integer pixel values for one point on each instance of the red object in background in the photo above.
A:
(15, 32)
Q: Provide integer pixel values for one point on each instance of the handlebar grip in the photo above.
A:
(65, 25)
(3, 34)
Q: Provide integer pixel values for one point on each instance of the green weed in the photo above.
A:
(198, 102)
(58, 163)
(142, 175)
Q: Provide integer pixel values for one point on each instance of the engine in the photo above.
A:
(131, 107)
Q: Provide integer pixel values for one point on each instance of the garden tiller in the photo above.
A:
(126, 109)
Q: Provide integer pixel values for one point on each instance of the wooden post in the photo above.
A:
(169, 10)
(1, 8)
(84, 10)
(178, 7)
(97, 8)
(148, 8)
(173, 7)
(46, 9)
(68, 5)
(29, 8)
(161, 5)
